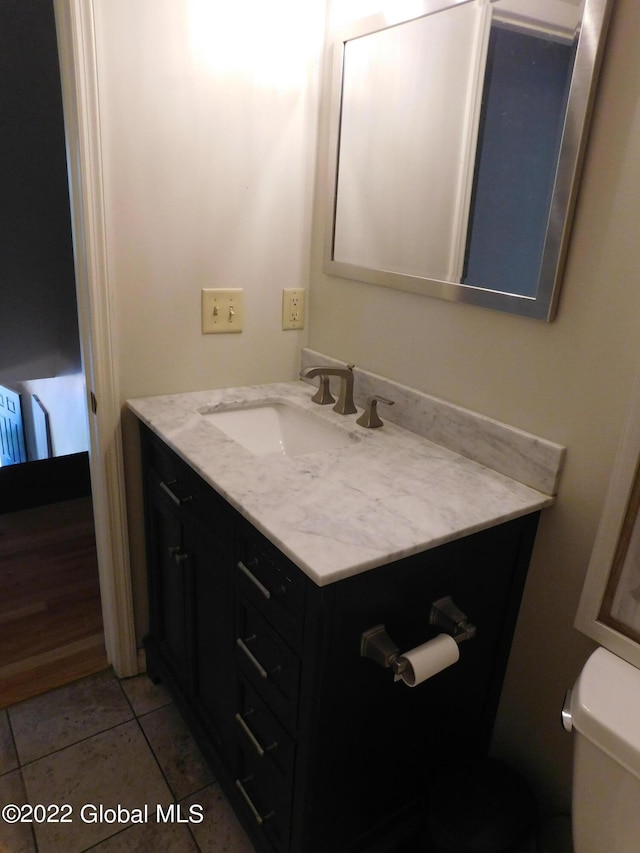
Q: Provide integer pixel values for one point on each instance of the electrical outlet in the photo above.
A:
(222, 311)
(293, 308)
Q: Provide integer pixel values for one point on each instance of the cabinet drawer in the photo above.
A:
(261, 736)
(172, 479)
(269, 811)
(268, 663)
(275, 586)
(163, 462)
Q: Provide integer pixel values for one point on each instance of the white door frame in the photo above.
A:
(78, 71)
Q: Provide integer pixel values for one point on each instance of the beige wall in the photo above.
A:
(208, 137)
(208, 182)
(568, 381)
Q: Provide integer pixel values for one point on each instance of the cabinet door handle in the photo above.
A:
(253, 740)
(260, 819)
(178, 554)
(254, 660)
(254, 580)
(172, 495)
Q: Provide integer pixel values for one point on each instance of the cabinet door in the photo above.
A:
(191, 534)
(211, 550)
(169, 583)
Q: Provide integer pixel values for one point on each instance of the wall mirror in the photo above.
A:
(609, 610)
(456, 136)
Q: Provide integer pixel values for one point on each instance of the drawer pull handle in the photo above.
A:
(254, 580)
(253, 740)
(256, 663)
(254, 811)
(177, 501)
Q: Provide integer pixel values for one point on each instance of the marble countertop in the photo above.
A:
(388, 494)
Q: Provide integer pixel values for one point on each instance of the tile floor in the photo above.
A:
(105, 742)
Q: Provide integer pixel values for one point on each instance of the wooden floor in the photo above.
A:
(50, 618)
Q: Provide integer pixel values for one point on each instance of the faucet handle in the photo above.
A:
(323, 395)
(370, 418)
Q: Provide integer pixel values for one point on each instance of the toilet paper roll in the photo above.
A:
(428, 659)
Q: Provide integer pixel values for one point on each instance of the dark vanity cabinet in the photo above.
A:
(316, 747)
(190, 544)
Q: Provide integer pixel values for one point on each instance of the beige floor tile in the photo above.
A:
(8, 757)
(144, 695)
(152, 836)
(64, 716)
(220, 831)
(112, 768)
(176, 751)
(14, 837)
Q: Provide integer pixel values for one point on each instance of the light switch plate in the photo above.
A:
(293, 308)
(222, 311)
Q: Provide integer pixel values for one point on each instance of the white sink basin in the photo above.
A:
(276, 427)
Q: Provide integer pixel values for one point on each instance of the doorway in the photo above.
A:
(43, 412)
(47, 536)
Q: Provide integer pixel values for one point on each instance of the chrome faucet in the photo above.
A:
(345, 404)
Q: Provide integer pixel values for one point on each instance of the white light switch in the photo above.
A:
(293, 308)
(222, 311)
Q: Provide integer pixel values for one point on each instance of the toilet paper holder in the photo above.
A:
(378, 646)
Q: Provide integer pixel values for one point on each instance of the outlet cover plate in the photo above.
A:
(293, 308)
(222, 311)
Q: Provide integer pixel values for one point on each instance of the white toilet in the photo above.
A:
(604, 716)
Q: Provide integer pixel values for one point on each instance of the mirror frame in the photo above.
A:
(621, 508)
(543, 306)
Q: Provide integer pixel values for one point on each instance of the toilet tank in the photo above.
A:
(605, 714)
